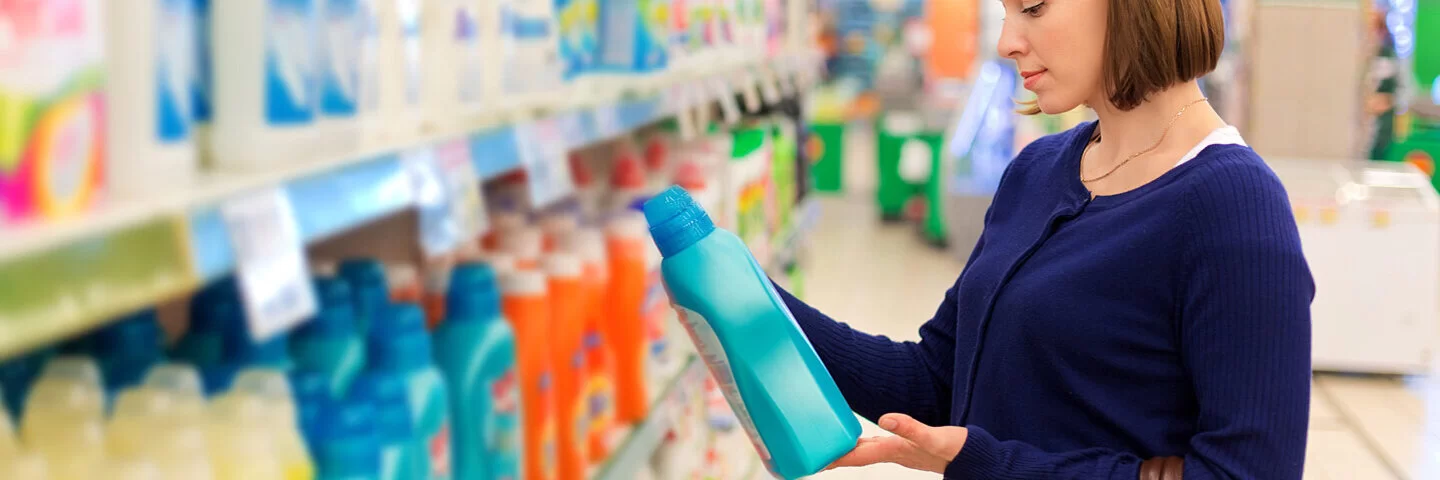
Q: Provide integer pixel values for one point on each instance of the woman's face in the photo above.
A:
(1058, 46)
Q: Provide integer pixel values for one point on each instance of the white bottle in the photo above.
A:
(531, 53)
(150, 69)
(264, 71)
(338, 74)
(472, 23)
(371, 121)
(400, 63)
(440, 37)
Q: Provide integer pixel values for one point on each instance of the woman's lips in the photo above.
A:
(1031, 78)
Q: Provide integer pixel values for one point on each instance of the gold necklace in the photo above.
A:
(1152, 148)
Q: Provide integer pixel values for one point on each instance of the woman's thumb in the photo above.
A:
(907, 427)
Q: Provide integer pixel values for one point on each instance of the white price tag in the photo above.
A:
(269, 262)
(546, 161)
(447, 195)
(726, 96)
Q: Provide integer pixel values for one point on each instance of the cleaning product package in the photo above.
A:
(265, 88)
(771, 376)
(149, 107)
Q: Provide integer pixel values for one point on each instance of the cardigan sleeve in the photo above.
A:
(878, 375)
(1243, 334)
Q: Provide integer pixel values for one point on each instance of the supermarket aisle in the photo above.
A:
(881, 279)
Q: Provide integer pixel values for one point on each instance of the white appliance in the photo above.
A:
(1371, 233)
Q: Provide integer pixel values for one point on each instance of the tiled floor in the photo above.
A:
(882, 279)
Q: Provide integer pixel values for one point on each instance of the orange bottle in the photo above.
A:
(501, 223)
(599, 385)
(557, 227)
(527, 305)
(626, 238)
(567, 331)
(525, 244)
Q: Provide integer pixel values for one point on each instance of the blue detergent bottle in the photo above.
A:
(346, 444)
(475, 348)
(126, 349)
(399, 345)
(770, 374)
(214, 312)
(366, 277)
(330, 343)
(390, 396)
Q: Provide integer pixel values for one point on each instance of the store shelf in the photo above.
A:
(641, 441)
(43, 297)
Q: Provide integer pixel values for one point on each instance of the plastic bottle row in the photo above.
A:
(138, 99)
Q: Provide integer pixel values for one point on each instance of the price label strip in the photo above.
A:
(432, 201)
(270, 262)
(546, 161)
(729, 108)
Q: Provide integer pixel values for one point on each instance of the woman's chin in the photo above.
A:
(1054, 106)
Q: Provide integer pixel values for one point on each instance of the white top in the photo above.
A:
(1226, 135)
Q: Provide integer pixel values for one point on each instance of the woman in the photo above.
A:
(1138, 304)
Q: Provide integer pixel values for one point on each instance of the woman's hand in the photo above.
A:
(916, 445)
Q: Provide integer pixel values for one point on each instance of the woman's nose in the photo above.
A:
(1011, 45)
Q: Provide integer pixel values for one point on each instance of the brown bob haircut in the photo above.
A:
(1153, 44)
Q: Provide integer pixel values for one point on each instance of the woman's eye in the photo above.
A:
(1033, 10)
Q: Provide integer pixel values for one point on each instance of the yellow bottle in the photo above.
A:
(63, 419)
(24, 465)
(240, 440)
(8, 445)
(152, 424)
(273, 389)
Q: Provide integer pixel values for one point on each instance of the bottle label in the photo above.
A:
(502, 440)
(339, 57)
(714, 355)
(654, 311)
(368, 98)
(409, 13)
(549, 445)
(289, 62)
(439, 451)
(174, 70)
(472, 56)
(200, 81)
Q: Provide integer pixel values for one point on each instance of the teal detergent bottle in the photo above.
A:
(390, 396)
(399, 345)
(127, 349)
(475, 348)
(346, 444)
(366, 277)
(770, 374)
(330, 343)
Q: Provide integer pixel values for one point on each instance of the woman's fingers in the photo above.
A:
(905, 426)
(872, 450)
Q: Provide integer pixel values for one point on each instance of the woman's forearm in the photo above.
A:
(878, 375)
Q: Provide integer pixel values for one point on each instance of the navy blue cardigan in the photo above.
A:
(1084, 336)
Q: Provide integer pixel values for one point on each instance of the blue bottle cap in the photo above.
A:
(676, 221)
(216, 311)
(16, 377)
(128, 348)
(388, 393)
(367, 284)
(218, 377)
(473, 293)
(336, 315)
(399, 342)
(346, 445)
